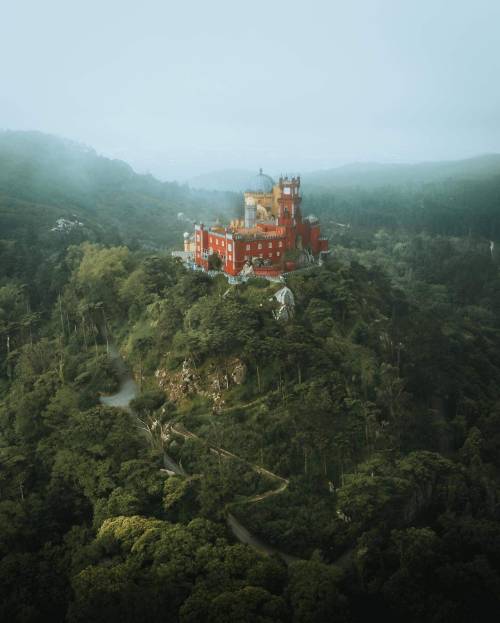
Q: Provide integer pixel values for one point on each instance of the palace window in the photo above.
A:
(229, 246)
(278, 253)
(248, 247)
(259, 246)
(270, 245)
(280, 244)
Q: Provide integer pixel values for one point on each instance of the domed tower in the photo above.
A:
(260, 184)
(260, 191)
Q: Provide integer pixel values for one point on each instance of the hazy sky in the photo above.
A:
(180, 88)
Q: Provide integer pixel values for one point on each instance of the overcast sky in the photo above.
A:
(180, 88)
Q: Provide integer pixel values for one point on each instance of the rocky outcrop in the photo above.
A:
(286, 301)
(238, 371)
(210, 383)
(178, 385)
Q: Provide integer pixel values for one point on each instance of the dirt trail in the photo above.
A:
(179, 430)
(128, 391)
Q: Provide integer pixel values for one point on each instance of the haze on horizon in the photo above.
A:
(179, 89)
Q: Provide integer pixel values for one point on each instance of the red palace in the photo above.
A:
(272, 239)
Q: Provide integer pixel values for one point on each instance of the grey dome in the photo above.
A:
(260, 183)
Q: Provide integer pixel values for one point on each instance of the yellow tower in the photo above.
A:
(262, 191)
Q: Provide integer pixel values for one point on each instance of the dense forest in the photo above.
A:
(359, 439)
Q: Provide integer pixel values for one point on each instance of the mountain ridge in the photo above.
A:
(364, 174)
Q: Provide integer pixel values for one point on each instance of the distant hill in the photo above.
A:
(371, 175)
(364, 175)
(44, 178)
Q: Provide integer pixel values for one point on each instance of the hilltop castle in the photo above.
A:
(271, 239)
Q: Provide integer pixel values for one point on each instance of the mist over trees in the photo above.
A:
(360, 438)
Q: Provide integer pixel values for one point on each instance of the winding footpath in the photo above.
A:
(128, 390)
(239, 531)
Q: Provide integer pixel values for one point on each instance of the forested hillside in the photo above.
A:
(455, 207)
(44, 178)
(360, 437)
